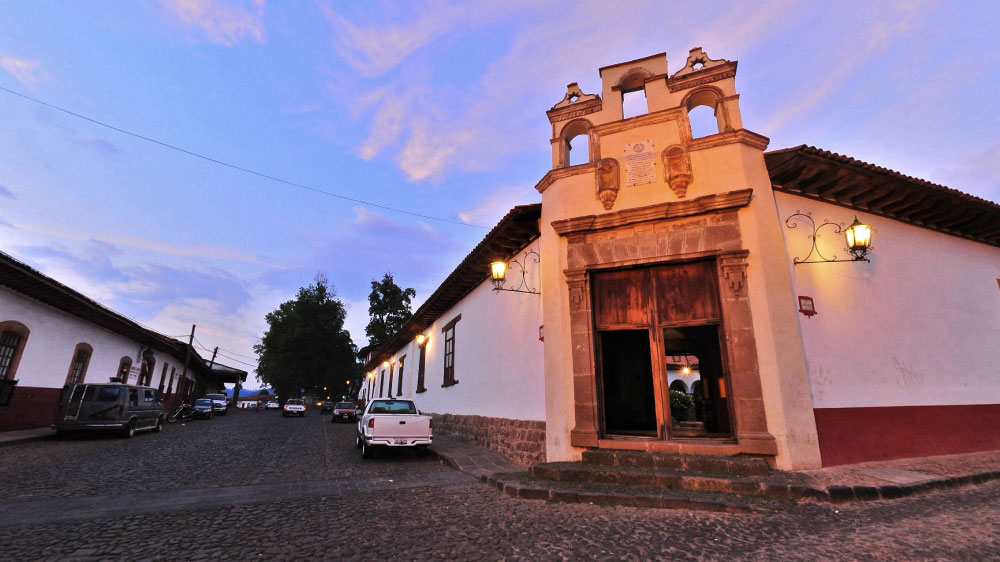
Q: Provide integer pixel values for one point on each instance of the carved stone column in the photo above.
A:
(584, 434)
(741, 348)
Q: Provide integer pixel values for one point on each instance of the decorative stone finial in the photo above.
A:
(607, 182)
(698, 60)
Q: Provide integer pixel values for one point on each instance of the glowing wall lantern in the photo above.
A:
(859, 239)
(499, 271)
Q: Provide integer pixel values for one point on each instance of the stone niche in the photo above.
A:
(702, 228)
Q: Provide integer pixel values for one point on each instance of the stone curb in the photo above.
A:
(531, 492)
(843, 494)
(794, 492)
(26, 438)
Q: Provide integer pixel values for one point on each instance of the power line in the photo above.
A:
(236, 167)
(238, 361)
(238, 354)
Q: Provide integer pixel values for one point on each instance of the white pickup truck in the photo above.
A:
(393, 423)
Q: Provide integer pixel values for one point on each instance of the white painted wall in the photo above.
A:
(498, 356)
(54, 335)
(919, 325)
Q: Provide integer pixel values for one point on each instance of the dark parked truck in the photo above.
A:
(393, 423)
(104, 407)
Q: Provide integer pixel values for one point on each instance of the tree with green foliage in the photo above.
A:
(388, 309)
(306, 345)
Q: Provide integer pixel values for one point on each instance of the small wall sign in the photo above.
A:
(640, 163)
(806, 306)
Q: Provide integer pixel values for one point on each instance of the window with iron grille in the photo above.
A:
(392, 367)
(78, 369)
(449, 352)
(421, 361)
(399, 380)
(9, 343)
(124, 367)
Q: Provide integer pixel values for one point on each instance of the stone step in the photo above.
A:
(779, 488)
(704, 464)
(525, 487)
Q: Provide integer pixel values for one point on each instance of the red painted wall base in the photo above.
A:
(30, 408)
(853, 435)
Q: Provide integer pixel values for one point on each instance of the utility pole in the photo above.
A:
(187, 356)
(211, 364)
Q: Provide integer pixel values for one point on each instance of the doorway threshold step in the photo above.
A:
(523, 486)
(774, 486)
(704, 464)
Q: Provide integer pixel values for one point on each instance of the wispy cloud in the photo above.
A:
(203, 251)
(223, 21)
(28, 72)
(100, 147)
(976, 171)
(498, 203)
(377, 48)
(901, 19)
(4, 192)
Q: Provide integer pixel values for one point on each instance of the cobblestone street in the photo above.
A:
(256, 486)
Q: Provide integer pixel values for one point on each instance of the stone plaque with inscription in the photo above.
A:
(640, 163)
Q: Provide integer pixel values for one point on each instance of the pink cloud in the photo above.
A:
(223, 21)
(26, 71)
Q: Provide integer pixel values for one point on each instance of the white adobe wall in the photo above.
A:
(919, 325)
(53, 338)
(498, 356)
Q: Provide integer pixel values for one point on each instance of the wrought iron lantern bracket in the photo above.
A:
(523, 286)
(815, 255)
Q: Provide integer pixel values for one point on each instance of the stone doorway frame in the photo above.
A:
(705, 227)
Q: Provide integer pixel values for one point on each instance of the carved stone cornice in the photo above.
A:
(574, 110)
(662, 116)
(560, 173)
(742, 136)
(733, 266)
(701, 77)
(673, 210)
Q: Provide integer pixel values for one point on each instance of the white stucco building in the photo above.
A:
(52, 336)
(666, 260)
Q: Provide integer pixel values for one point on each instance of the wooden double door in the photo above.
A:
(659, 352)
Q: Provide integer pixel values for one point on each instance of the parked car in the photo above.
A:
(104, 407)
(344, 411)
(294, 407)
(218, 403)
(326, 408)
(393, 423)
(272, 405)
(203, 408)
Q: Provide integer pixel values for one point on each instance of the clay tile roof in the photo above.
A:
(518, 227)
(826, 176)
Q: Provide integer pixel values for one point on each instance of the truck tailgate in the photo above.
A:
(400, 426)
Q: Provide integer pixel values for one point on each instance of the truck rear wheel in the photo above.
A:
(357, 441)
(366, 450)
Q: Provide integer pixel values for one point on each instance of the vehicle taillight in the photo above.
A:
(431, 425)
(371, 422)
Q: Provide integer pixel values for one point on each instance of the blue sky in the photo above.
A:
(437, 108)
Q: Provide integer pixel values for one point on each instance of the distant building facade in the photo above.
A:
(52, 337)
(665, 305)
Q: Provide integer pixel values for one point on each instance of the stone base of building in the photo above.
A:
(30, 408)
(853, 435)
(522, 441)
